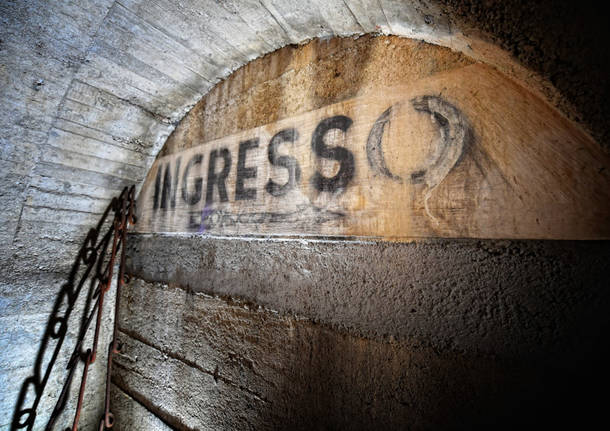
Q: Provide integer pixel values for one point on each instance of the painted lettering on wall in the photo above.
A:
(443, 158)
(327, 143)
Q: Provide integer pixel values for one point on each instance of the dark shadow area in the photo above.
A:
(352, 384)
(564, 41)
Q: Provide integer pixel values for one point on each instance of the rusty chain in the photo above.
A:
(92, 265)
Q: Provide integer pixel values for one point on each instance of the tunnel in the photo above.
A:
(307, 215)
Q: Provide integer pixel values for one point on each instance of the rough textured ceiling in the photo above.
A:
(92, 88)
(96, 86)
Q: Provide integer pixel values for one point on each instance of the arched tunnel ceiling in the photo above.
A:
(97, 86)
(100, 85)
(91, 90)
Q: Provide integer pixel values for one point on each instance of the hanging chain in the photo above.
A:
(95, 267)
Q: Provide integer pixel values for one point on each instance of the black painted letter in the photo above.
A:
(340, 154)
(243, 173)
(290, 163)
(157, 187)
(194, 197)
(169, 187)
(218, 179)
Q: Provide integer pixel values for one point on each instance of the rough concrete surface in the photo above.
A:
(133, 414)
(91, 89)
(504, 298)
(254, 369)
(434, 335)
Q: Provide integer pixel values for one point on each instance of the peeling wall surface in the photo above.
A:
(243, 334)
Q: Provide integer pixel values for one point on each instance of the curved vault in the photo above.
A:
(327, 140)
(93, 89)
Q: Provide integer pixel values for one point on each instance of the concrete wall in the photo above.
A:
(443, 334)
(271, 333)
(91, 89)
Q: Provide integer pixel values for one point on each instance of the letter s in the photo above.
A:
(340, 154)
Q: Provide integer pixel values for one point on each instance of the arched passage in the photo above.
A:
(91, 91)
(319, 307)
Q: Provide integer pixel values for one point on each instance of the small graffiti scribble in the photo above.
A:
(205, 213)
